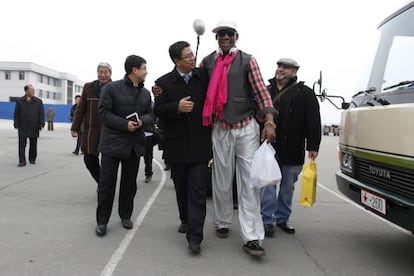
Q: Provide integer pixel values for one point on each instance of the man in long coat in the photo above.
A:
(29, 118)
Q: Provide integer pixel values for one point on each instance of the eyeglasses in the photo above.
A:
(229, 32)
(188, 56)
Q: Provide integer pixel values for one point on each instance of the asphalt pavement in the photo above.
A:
(47, 221)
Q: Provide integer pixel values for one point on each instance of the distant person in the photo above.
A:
(29, 118)
(125, 110)
(50, 115)
(235, 80)
(86, 117)
(159, 126)
(187, 142)
(150, 139)
(298, 128)
(79, 132)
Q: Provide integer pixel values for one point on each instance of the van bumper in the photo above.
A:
(399, 210)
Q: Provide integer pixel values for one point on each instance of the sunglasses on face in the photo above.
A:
(229, 33)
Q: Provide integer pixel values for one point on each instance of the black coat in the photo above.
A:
(186, 140)
(118, 99)
(29, 117)
(298, 124)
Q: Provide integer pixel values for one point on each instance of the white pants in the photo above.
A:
(233, 150)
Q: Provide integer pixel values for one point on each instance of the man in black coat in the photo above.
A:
(187, 142)
(79, 132)
(29, 118)
(298, 128)
(125, 109)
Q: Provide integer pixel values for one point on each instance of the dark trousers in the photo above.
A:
(78, 142)
(148, 155)
(50, 125)
(190, 181)
(107, 185)
(93, 166)
(32, 149)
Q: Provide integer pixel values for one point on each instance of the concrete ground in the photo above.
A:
(47, 221)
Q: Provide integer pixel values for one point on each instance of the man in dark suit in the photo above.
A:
(187, 142)
(29, 118)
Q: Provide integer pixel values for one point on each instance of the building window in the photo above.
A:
(7, 75)
(54, 95)
(21, 75)
(40, 93)
(47, 95)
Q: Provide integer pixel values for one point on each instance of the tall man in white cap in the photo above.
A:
(235, 83)
(298, 128)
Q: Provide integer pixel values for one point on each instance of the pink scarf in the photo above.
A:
(217, 90)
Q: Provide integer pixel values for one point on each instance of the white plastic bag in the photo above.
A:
(265, 169)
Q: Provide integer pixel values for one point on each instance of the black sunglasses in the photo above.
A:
(229, 32)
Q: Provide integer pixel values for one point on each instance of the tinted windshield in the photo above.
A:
(394, 60)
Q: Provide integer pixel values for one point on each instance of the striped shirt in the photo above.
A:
(260, 93)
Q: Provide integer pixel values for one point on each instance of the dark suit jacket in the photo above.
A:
(29, 117)
(298, 123)
(186, 139)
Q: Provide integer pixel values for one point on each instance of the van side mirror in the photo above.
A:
(345, 105)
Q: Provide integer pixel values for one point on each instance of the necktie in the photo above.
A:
(186, 77)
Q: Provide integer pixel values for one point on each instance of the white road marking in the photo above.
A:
(363, 209)
(117, 256)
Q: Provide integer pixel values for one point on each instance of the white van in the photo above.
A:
(377, 130)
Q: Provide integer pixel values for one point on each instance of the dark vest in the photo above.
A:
(240, 103)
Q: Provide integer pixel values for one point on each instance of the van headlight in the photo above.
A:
(347, 163)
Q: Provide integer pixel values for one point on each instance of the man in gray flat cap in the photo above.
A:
(298, 128)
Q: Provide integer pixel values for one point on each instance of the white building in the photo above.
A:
(51, 86)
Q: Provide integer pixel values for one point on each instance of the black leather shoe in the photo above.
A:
(286, 226)
(222, 232)
(32, 162)
(21, 164)
(194, 247)
(127, 223)
(269, 230)
(148, 179)
(100, 230)
(182, 228)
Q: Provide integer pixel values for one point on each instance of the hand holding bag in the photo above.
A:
(265, 169)
(309, 179)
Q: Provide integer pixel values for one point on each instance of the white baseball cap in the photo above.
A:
(225, 24)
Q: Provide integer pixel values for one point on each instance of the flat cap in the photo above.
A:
(225, 24)
(288, 62)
